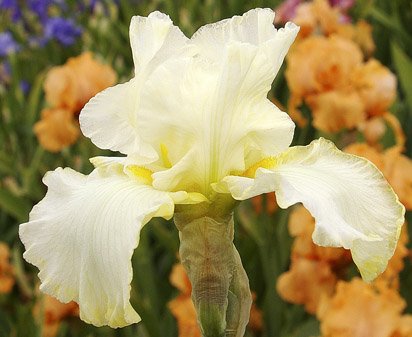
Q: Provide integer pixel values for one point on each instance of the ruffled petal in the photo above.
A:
(215, 116)
(154, 39)
(82, 236)
(255, 27)
(352, 203)
(110, 118)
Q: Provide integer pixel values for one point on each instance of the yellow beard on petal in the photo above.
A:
(267, 163)
(142, 173)
(165, 156)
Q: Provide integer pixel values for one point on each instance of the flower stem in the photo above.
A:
(220, 287)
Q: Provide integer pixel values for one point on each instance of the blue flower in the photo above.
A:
(40, 8)
(63, 30)
(24, 86)
(7, 44)
(12, 7)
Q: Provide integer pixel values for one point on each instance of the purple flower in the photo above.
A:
(63, 30)
(12, 7)
(24, 86)
(40, 8)
(7, 44)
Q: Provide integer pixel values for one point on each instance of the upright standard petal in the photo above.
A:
(82, 236)
(154, 39)
(255, 27)
(109, 119)
(353, 205)
(214, 118)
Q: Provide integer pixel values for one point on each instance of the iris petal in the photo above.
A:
(353, 205)
(82, 236)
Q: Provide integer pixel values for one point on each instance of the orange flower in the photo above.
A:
(71, 86)
(306, 19)
(256, 319)
(373, 129)
(320, 64)
(184, 311)
(307, 282)
(405, 327)
(266, 203)
(319, 72)
(359, 310)
(179, 279)
(56, 129)
(53, 312)
(376, 86)
(182, 306)
(68, 88)
(396, 168)
(335, 110)
(6, 270)
(317, 15)
(361, 34)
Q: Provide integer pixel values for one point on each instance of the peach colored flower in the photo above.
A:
(184, 311)
(56, 129)
(376, 86)
(359, 309)
(265, 203)
(68, 88)
(307, 282)
(6, 270)
(335, 110)
(306, 19)
(320, 64)
(178, 278)
(256, 317)
(373, 129)
(53, 312)
(360, 33)
(317, 15)
(72, 85)
(405, 327)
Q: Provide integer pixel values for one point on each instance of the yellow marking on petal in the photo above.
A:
(165, 155)
(142, 173)
(268, 163)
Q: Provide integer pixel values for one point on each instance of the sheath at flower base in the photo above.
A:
(198, 133)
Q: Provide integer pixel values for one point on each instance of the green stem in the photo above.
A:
(220, 287)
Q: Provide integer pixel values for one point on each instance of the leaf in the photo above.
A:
(13, 205)
(308, 329)
(403, 65)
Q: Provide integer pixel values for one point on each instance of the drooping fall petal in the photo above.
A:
(82, 236)
(341, 192)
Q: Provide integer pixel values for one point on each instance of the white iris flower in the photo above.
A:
(196, 126)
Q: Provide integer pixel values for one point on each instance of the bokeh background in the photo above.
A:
(348, 78)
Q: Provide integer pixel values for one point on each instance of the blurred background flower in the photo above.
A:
(347, 78)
